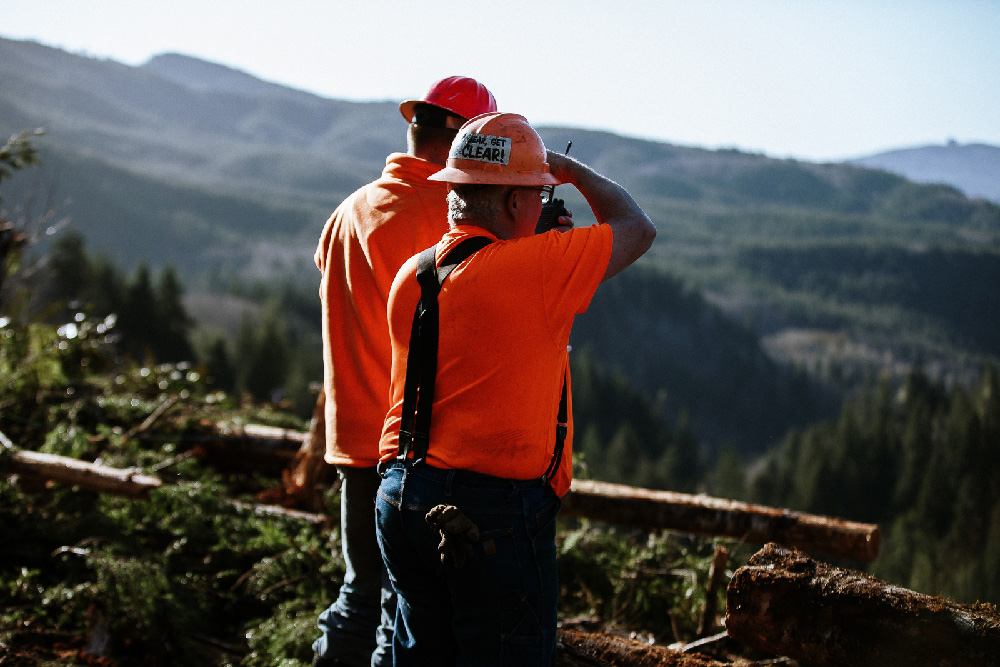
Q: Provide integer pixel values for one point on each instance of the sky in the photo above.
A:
(817, 80)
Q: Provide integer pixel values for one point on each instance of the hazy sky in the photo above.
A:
(816, 80)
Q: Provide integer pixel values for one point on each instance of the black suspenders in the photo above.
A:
(421, 360)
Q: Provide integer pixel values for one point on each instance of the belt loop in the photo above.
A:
(449, 478)
(402, 483)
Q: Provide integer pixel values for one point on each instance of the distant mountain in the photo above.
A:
(767, 275)
(972, 168)
(196, 73)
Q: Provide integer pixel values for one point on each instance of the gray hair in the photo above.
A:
(475, 202)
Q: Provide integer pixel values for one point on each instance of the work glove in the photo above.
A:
(457, 533)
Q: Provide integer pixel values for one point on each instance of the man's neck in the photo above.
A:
(498, 229)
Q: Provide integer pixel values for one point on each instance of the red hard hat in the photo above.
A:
(499, 149)
(458, 94)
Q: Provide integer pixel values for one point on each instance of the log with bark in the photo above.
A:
(703, 515)
(787, 604)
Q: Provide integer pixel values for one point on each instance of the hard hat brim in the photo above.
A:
(407, 108)
(487, 177)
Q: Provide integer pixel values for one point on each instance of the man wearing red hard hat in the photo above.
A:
(477, 445)
(363, 244)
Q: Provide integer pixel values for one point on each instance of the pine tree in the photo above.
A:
(138, 319)
(173, 344)
(68, 271)
(218, 367)
(266, 365)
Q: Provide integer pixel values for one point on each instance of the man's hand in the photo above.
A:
(457, 533)
(562, 166)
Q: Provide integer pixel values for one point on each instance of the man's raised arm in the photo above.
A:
(612, 205)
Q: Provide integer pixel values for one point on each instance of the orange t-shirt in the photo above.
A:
(363, 244)
(505, 319)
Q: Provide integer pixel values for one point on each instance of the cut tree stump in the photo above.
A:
(704, 515)
(787, 604)
(308, 470)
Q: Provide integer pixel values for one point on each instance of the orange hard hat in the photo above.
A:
(458, 94)
(497, 148)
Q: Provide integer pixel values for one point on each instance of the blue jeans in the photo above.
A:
(500, 607)
(357, 628)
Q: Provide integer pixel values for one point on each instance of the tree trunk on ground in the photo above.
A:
(577, 649)
(74, 472)
(122, 482)
(702, 515)
(784, 603)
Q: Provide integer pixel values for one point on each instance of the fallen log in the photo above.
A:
(50, 467)
(787, 604)
(251, 446)
(615, 503)
(131, 482)
(578, 649)
(703, 515)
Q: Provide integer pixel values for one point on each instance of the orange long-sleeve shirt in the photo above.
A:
(370, 235)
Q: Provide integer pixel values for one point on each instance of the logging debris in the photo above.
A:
(787, 604)
(578, 649)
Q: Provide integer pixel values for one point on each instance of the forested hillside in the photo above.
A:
(774, 288)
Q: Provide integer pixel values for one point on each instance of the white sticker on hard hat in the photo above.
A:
(482, 148)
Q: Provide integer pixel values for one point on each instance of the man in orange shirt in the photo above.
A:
(363, 244)
(494, 448)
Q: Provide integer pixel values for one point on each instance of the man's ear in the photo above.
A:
(513, 203)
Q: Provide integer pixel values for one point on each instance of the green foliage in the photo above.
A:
(285, 638)
(18, 153)
(163, 576)
(648, 583)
